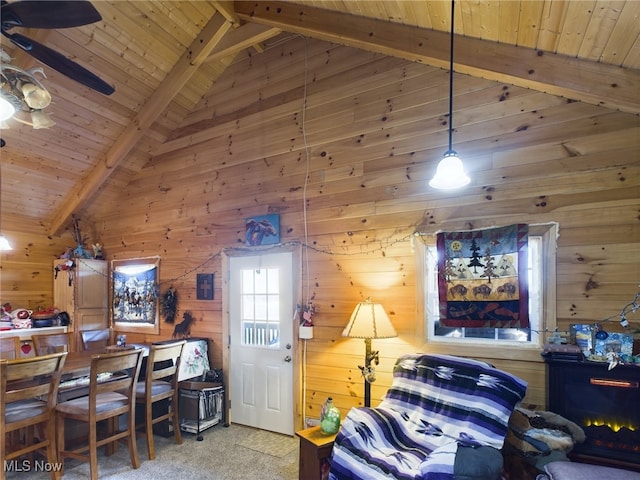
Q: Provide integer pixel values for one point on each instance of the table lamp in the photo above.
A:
(368, 321)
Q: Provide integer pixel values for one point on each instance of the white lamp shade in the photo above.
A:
(4, 244)
(369, 320)
(7, 109)
(450, 173)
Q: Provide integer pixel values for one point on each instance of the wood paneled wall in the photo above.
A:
(346, 141)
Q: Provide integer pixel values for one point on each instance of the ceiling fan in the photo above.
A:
(52, 14)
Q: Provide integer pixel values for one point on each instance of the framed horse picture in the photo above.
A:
(262, 230)
(134, 295)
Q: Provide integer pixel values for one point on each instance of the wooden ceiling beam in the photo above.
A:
(587, 81)
(242, 37)
(182, 71)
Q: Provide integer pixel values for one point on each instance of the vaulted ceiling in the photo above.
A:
(162, 57)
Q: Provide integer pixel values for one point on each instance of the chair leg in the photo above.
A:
(93, 451)
(176, 421)
(112, 426)
(60, 444)
(29, 438)
(133, 446)
(52, 454)
(3, 449)
(149, 430)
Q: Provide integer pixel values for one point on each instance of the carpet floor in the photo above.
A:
(226, 453)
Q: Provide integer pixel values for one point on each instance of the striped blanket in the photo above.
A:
(435, 404)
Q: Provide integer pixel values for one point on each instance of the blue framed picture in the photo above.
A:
(262, 230)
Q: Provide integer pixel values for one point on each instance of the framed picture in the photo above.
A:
(262, 230)
(204, 286)
(134, 295)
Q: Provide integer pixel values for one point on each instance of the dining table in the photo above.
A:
(74, 379)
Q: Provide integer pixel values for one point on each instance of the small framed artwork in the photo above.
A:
(262, 230)
(204, 286)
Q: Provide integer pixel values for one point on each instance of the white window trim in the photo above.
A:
(482, 348)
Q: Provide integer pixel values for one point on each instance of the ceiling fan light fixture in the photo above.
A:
(21, 91)
(4, 244)
(450, 173)
(41, 119)
(7, 108)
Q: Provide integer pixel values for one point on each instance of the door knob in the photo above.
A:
(287, 358)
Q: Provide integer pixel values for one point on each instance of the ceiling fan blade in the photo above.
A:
(48, 14)
(59, 62)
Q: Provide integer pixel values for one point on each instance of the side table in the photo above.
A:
(315, 452)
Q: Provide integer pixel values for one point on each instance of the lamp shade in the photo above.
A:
(7, 109)
(450, 173)
(369, 320)
(4, 244)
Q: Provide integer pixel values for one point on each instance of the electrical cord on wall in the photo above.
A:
(305, 251)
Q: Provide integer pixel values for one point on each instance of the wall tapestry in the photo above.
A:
(482, 277)
(262, 230)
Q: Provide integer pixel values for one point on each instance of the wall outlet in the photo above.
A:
(312, 422)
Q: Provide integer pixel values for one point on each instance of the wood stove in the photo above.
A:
(605, 403)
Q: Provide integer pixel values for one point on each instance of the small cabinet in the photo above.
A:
(315, 454)
(82, 292)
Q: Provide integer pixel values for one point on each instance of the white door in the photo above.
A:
(261, 339)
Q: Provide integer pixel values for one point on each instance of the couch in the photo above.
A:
(444, 417)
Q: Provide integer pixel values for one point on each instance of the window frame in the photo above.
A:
(482, 348)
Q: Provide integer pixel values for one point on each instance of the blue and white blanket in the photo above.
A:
(435, 403)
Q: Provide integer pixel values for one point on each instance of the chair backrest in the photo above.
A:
(96, 339)
(52, 343)
(9, 348)
(461, 395)
(124, 368)
(32, 377)
(163, 362)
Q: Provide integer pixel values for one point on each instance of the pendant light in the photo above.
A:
(450, 173)
(4, 243)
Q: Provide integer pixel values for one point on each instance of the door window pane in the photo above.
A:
(261, 307)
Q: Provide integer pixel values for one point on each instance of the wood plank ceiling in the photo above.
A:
(163, 57)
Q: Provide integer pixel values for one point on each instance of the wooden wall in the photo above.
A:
(354, 162)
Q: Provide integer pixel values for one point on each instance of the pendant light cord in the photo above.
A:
(451, 81)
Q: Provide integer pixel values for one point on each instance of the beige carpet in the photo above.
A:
(222, 455)
(274, 444)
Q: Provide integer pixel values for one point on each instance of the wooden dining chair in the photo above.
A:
(108, 399)
(52, 343)
(9, 348)
(96, 339)
(160, 383)
(29, 388)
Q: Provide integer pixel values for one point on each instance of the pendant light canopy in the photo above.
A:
(450, 173)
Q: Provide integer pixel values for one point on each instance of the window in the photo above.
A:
(260, 301)
(541, 283)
